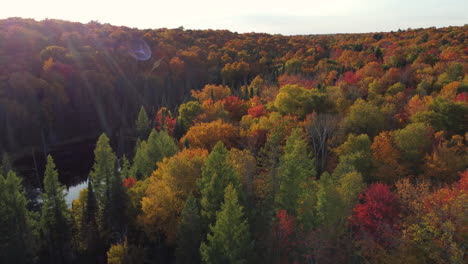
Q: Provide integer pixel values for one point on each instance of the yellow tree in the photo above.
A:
(168, 188)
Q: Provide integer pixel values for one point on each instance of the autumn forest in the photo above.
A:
(211, 146)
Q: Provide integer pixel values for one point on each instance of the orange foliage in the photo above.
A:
(206, 135)
(214, 92)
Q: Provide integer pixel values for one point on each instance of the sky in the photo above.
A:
(288, 17)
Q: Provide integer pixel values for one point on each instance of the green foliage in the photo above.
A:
(294, 170)
(365, 118)
(329, 205)
(160, 145)
(229, 238)
(217, 174)
(188, 112)
(143, 123)
(17, 236)
(297, 100)
(55, 217)
(103, 169)
(189, 235)
(414, 140)
(355, 154)
(445, 115)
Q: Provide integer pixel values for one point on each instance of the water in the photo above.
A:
(74, 192)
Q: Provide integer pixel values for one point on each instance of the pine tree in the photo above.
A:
(90, 235)
(114, 217)
(17, 237)
(55, 218)
(229, 239)
(5, 166)
(295, 169)
(217, 174)
(142, 167)
(160, 145)
(143, 123)
(189, 235)
(103, 169)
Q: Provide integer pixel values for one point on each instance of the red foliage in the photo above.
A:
(350, 77)
(257, 111)
(235, 106)
(377, 215)
(462, 97)
(164, 120)
(285, 229)
(129, 182)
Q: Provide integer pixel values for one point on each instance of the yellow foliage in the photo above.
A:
(214, 92)
(168, 188)
(206, 135)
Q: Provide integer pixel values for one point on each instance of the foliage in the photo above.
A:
(229, 239)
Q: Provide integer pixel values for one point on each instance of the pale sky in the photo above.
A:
(271, 16)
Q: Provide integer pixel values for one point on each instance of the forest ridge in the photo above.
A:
(248, 148)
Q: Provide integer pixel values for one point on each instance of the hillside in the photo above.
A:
(219, 147)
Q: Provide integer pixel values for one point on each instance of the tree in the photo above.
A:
(206, 135)
(217, 174)
(168, 188)
(5, 165)
(329, 207)
(375, 219)
(294, 170)
(114, 212)
(159, 145)
(118, 253)
(55, 218)
(296, 100)
(189, 234)
(90, 234)
(17, 236)
(414, 141)
(103, 169)
(321, 128)
(365, 118)
(229, 238)
(188, 112)
(355, 152)
(143, 123)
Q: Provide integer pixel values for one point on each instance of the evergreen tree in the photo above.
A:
(160, 145)
(125, 171)
(189, 235)
(17, 238)
(143, 123)
(55, 218)
(295, 169)
(142, 167)
(6, 165)
(217, 174)
(229, 239)
(90, 235)
(114, 217)
(103, 169)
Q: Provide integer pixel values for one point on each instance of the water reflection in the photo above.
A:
(74, 192)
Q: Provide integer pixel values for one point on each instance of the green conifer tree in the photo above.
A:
(143, 124)
(189, 235)
(55, 217)
(295, 168)
(103, 169)
(229, 239)
(217, 174)
(17, 236)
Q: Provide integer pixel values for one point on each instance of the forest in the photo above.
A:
(212, 146)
